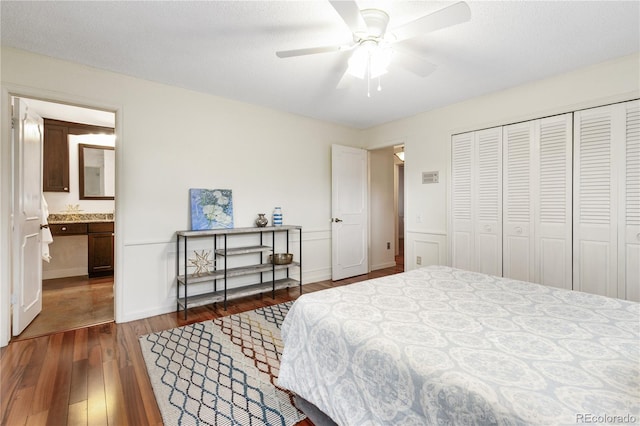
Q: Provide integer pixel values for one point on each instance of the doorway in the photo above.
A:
(386, 191)
(399, 190)
(398, 162)
(71, 296)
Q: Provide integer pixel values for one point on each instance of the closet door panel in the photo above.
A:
(629, 217)
(595, 201)
(462, 240)
(487, 201)
(632, 271)
(553, 267)
(553, 202)
(518, 162)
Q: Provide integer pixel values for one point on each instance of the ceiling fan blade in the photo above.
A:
(413, 63)
(308, 51)
(451, 15)
(344, 81)
(350, 14)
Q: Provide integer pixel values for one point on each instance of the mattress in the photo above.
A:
(439, 345)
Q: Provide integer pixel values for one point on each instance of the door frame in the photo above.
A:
(6, 194)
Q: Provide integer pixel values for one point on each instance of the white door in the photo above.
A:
(462, 240)
(487, 201)
(518, 241)
(537, 201)
(553, 206)
(629, 213)
(27, 209)
(349, 218)
(595, 212)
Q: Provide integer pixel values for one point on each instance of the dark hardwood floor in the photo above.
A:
(96, 375)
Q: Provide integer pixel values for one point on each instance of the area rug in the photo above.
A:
(222, 371)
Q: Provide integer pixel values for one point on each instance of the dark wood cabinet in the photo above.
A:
(55, 168)
(68, 229)
(55, 151)
(99, 243)
(100, 240)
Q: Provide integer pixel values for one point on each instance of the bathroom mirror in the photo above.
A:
(96, 166)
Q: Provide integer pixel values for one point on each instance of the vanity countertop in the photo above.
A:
(58, 218)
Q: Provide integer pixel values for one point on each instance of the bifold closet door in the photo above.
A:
(606, 201)
(487, 201)
(476, 171)
(553, 213)
(537, 201)
(519, 164)
(629, 234)
(462, 238)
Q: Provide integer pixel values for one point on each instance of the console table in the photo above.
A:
(222, 251)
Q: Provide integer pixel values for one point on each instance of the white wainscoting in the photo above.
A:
(431, 247)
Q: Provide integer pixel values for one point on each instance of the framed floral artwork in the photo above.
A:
(211, 208)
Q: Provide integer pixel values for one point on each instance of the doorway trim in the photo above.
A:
(6, 190)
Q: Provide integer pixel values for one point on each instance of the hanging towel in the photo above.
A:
(46, 237)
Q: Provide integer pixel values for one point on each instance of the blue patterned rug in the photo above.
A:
(222, 371)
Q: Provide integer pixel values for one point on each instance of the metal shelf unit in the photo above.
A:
(184, 279)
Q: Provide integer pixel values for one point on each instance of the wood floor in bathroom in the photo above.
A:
(72, 303)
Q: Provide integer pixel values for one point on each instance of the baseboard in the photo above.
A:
(63, 273)
(383, 265)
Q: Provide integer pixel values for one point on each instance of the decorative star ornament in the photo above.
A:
(73, 208)
(201, 262)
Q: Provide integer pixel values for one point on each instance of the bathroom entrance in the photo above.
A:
(78, 200)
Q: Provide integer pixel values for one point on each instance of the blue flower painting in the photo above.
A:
(211, 209)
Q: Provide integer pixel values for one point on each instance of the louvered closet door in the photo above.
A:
(537, 242)
(487, 201)
(629, 218)
(462, 241)
(595, 200)
(518, 200)
(553, 207)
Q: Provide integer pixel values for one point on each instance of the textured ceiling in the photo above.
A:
(227, 48)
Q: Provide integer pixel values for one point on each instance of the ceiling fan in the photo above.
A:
(373, 46)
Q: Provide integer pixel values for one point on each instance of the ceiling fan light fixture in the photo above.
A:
(370, 60)
(358, 62)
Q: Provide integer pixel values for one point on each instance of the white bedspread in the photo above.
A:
(439, 345)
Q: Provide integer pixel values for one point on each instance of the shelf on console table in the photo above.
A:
(185, 279)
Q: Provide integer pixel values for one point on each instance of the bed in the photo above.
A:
(439, 345)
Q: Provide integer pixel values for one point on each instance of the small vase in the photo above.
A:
(277, 216)
(261, 221)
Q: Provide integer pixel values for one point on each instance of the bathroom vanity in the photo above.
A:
(99, 228)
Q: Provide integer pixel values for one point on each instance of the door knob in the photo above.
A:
(336, 220)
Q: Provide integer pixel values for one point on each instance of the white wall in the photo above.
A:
(170, 140)
(427, 139)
